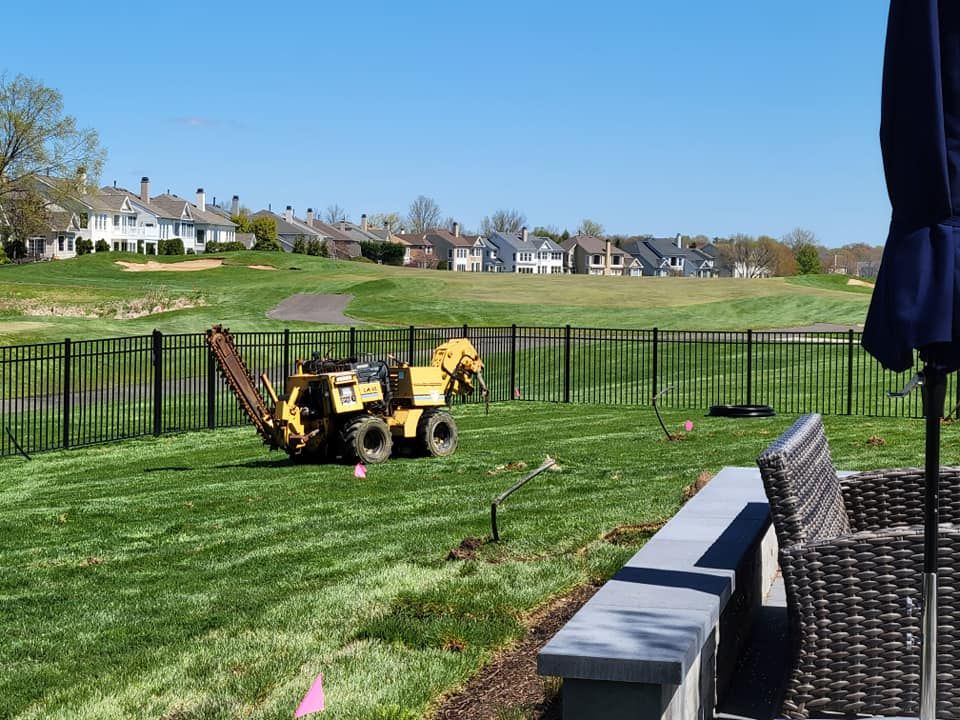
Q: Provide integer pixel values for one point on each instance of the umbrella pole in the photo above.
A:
(934, 386)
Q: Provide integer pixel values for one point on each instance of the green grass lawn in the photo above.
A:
(199, 576)
(49, 301)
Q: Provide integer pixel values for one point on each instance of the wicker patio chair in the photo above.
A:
(851, 555)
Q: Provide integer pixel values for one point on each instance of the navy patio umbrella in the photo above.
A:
(916, 301)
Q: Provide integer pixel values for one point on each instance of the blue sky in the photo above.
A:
(691, 116)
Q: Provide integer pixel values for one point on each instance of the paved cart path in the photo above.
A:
(316, 308)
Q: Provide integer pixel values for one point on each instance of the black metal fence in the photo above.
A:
(76, 393)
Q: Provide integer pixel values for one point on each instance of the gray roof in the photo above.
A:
(289, 228)
(639, 250)
(516, 243)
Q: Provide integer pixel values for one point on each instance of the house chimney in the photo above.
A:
(679, 240)
(608, 266)
(310, 217)
(343, 226)
(82, 180)
(288, 214)
(386, 225)
(201, 199)
(145, 188)
(363, 222)
(523, 233)
(235, 206)
(456, 229)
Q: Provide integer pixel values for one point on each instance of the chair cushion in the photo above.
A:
(802, 485)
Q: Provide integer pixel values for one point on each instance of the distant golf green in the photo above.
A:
(92, 297)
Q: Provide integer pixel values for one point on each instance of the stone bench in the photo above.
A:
(661, 638)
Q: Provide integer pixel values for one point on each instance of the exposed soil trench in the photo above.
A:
(510, 683)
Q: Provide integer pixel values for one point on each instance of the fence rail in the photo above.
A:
(77, 393)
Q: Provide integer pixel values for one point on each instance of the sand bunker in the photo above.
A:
(261, 267)
(862, 283)
(185, 266)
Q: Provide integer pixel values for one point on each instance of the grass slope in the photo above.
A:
(239, 296)
(200, 577)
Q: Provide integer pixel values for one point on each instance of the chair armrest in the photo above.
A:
(855, 615)
(893, 497)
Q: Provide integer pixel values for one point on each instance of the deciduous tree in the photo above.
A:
(424, 214)
(744, 256)
(508, 222)
(798, 237)
(590, 227)
(38, 139)
(335, 214)
(264, 229)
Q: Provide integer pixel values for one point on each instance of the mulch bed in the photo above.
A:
(510, 681)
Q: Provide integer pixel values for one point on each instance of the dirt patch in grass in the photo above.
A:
(261, 267)
(861, 283)
(697, 485)
(184, 266)
(509, 685)
(633, 534)
(466, 550)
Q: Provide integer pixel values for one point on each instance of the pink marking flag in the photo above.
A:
(516, 393)
(688, 425)
(313, 701)
(360, 471)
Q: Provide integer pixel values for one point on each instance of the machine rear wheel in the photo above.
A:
(437, 433)
(367, 440)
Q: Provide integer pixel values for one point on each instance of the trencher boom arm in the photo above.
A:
(238, 378)
(460, 364)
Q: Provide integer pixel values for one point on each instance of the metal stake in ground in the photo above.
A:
(548, 463)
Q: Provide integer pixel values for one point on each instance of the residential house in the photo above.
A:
(211, 226)
(458, 252)
(340, 243)
(528, 254)
(418, 252)
(590, 255)
(290, 229)
(667, 257)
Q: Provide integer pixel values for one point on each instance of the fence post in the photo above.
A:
(749, 367)
(211, 389)
(66, 392)
(465, 331)
(513, 361)
(286, 352)
(653, 363)
(850, 372)
(157, 354)
(353, 342)
(411, 344)
(566, 364)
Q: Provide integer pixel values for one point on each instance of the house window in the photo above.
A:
(60, 243)
(116, 221)
(84, 220)
(70, 244)
(676, 261)
(461, 252)
(617, 260)
(596, 260)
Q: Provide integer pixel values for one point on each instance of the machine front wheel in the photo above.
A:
(437, 433)
(367, 439)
